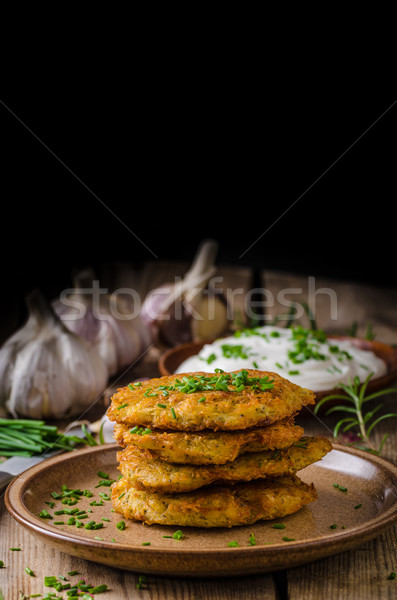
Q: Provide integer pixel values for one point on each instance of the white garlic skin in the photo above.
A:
(47, 372)
(118, 341)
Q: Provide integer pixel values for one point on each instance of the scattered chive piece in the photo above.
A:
(50, 581)
(141, 582)
(103, 475)
(145, 543)
(131, 387)
(252, 540)
(233, 544)
(15, 549)
(45, 514)
(358, 506)
(120, 525)
(392, 575)
(167, 536)
(278, 526)
(98, 538)
(59, 523)
(173, 412)
(342, 488)
(105, 519)
(71, 573)
(134, 429)
(29, 571)
(162, 405)
(1, 564)
(333, 526)
(178, 535)
(122, 406)
(287, 539)
(202, 399)
(336, 485)
(113, 540)
(121, 495)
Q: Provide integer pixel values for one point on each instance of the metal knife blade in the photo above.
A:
(16, 465)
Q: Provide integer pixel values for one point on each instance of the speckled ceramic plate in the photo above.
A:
(363, 507)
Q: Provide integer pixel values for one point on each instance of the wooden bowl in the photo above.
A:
(172, 358)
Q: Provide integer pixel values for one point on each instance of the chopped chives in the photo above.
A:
(120, 525)
(71, 573)
(103, 475)
(1, 564)
(233, 544)
(287, 539)
(392, 575)
(122, 406)
(358, 506)
(173, 412)
(29, 571)
(145, 543)
(177, 535)
(15, 549)
(252, 540)
(333, 526)
(202, 399)
(278, 526)
(162, 405)
(59, 523)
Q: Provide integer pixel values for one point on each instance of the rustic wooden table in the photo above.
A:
(360, 574)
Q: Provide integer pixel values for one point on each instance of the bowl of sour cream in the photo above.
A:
(309, 358)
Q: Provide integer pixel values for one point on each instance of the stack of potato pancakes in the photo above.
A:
(212, 449)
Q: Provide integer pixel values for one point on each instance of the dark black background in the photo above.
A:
(96, 170)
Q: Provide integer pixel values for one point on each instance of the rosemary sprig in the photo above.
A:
(355, 397)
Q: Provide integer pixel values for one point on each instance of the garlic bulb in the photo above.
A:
(45, 370)
(107, 321)
(189, 309)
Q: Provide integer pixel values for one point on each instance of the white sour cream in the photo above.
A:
(324, 362)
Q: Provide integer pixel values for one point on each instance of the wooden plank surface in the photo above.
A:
(360, 574)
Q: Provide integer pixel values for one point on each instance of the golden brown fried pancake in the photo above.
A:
(156, 475)
(217, 401)
(209, 447)
(215, 506)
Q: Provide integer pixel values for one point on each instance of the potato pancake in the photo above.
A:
(215, 506)
(156, 475)
(209, 447)
(219, 401)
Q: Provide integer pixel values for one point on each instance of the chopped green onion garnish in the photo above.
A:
(173, 412)
(162, 405)
(278, 526)
(103, 475)
(120, 525)
(29, 571)
(177, 535)
(233, 544)
(287, 539)
(333, 526)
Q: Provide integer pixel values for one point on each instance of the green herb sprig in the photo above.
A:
(355, 398)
